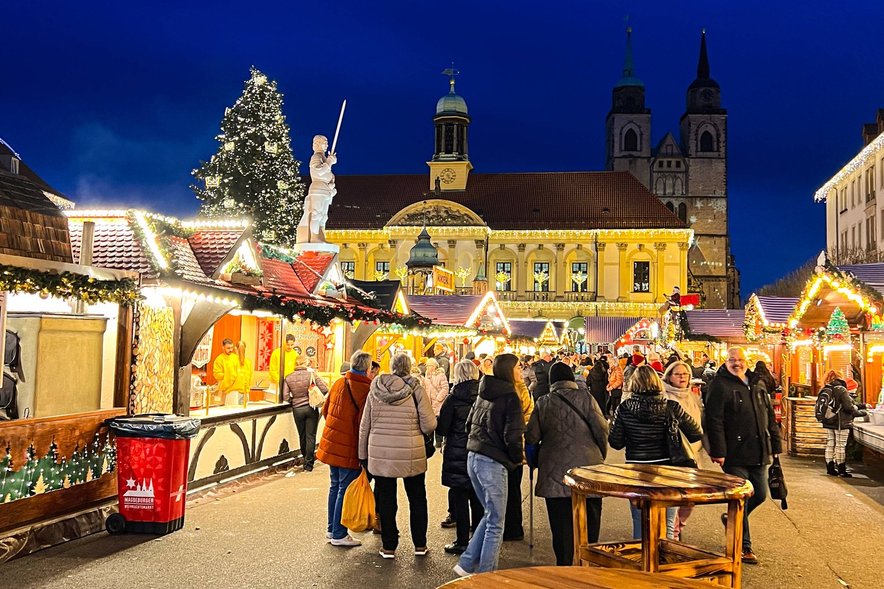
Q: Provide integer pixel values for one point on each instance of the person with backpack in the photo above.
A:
(835, 409)
(566, 430)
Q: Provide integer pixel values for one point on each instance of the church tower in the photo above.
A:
(628, 126)
(451, 165)
(704, 144)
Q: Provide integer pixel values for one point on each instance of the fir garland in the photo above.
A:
(68, 285)
(323, 315)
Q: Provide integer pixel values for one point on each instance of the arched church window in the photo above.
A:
(707, 142)
(683, 212)
(630, 140)
(670, 206)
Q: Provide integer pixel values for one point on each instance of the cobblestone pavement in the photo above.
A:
(271, 533)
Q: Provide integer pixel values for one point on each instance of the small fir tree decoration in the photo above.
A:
(254, 172)
(838, 327)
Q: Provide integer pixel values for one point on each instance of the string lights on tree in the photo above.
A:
(254, 172)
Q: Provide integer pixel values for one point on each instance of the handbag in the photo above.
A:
(680, 451)
(777, 483)
(314, 394)
(429, 446)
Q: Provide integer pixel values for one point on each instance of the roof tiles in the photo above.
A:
(565, 200)
(212, 246)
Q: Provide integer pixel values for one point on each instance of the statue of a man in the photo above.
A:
(311, 229)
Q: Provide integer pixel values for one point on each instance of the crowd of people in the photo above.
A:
(494, 415)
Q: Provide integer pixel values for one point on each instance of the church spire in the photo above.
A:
(703, 64)
(629, 78)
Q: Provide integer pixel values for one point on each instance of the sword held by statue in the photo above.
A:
(338, 129)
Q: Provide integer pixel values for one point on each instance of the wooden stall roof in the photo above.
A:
(724, 324)
(31, 225)
(855, 289)
(607, 330)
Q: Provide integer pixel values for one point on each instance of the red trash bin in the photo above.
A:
(152, 457)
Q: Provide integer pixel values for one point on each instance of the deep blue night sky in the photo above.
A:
(115, 104)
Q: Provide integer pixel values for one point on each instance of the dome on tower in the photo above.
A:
(423, 254)
(451, 103)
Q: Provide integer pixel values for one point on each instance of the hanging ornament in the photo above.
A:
(229, 145)
(212, 182)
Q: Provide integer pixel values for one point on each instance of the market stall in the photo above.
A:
(606, 332)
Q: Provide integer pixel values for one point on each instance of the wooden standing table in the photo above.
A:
(550, 577)
(654, 488)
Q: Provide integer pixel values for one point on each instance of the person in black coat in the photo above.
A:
(598, 383)
(641, 425)
(541, 374)
(838, 427)
(452, 425)
(743, 432)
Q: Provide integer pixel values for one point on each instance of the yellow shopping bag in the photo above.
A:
(358, 511)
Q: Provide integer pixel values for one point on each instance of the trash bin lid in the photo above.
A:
(155, 425)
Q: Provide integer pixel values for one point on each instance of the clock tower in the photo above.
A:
(451, 165)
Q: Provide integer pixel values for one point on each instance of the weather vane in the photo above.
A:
(451, 73)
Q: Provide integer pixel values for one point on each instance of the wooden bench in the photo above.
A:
(551, 577)
(653, 489)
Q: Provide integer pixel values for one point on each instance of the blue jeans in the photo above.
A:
(489, 479)
(757, 475)
(671, 512)
(340, 480)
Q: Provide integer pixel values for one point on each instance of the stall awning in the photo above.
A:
(606, 330)
(776, 309)
(479, 312)
(724, 324)
(527, 328)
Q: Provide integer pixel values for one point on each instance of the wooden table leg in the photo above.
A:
(653, 529)
(581, 533)
(733, 547)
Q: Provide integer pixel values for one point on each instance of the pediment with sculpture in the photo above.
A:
(438, 213)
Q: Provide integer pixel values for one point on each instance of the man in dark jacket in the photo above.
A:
(742, 430)
(440, 352)
(541, 374)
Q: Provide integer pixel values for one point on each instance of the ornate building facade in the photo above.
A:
(688, 174)
(557, 245)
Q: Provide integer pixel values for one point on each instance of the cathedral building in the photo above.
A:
(688, 174)
(558, 245)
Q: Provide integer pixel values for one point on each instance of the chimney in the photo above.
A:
(86, 243)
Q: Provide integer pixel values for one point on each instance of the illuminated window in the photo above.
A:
(580, 276)
(641, 277)
(504, 276)
(348, 268)
(382, 267)
(541, 276)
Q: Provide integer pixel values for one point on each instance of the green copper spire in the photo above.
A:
(629, 78)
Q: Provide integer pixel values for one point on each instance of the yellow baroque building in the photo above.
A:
(552, 244)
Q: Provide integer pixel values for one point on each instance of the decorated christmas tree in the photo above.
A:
(838, 327)
(254, 172)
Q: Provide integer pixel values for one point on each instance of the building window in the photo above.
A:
(683, 212)
(641, 277)
(670, 206)
(678, 164)
(842, 202)
(381, 270)
(707, 142)
(630, 140)
(580, 276)
(348, 268)
(541, 276)
(504, 276)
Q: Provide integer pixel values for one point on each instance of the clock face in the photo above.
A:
(447, 176)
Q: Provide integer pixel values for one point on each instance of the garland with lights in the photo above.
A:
(323, 315)
(866, 297)
(68, 285)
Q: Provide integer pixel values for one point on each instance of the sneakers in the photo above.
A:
(455, 548)
(749, 556)
(421, 550)
(448, 522)
(388, 554)
(347, 541)
(460, 572)
(328, 535)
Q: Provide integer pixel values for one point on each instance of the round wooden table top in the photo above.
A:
(566, 577)
(660, 483)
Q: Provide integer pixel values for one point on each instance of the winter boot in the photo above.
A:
(830, 469)
(842, 471)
